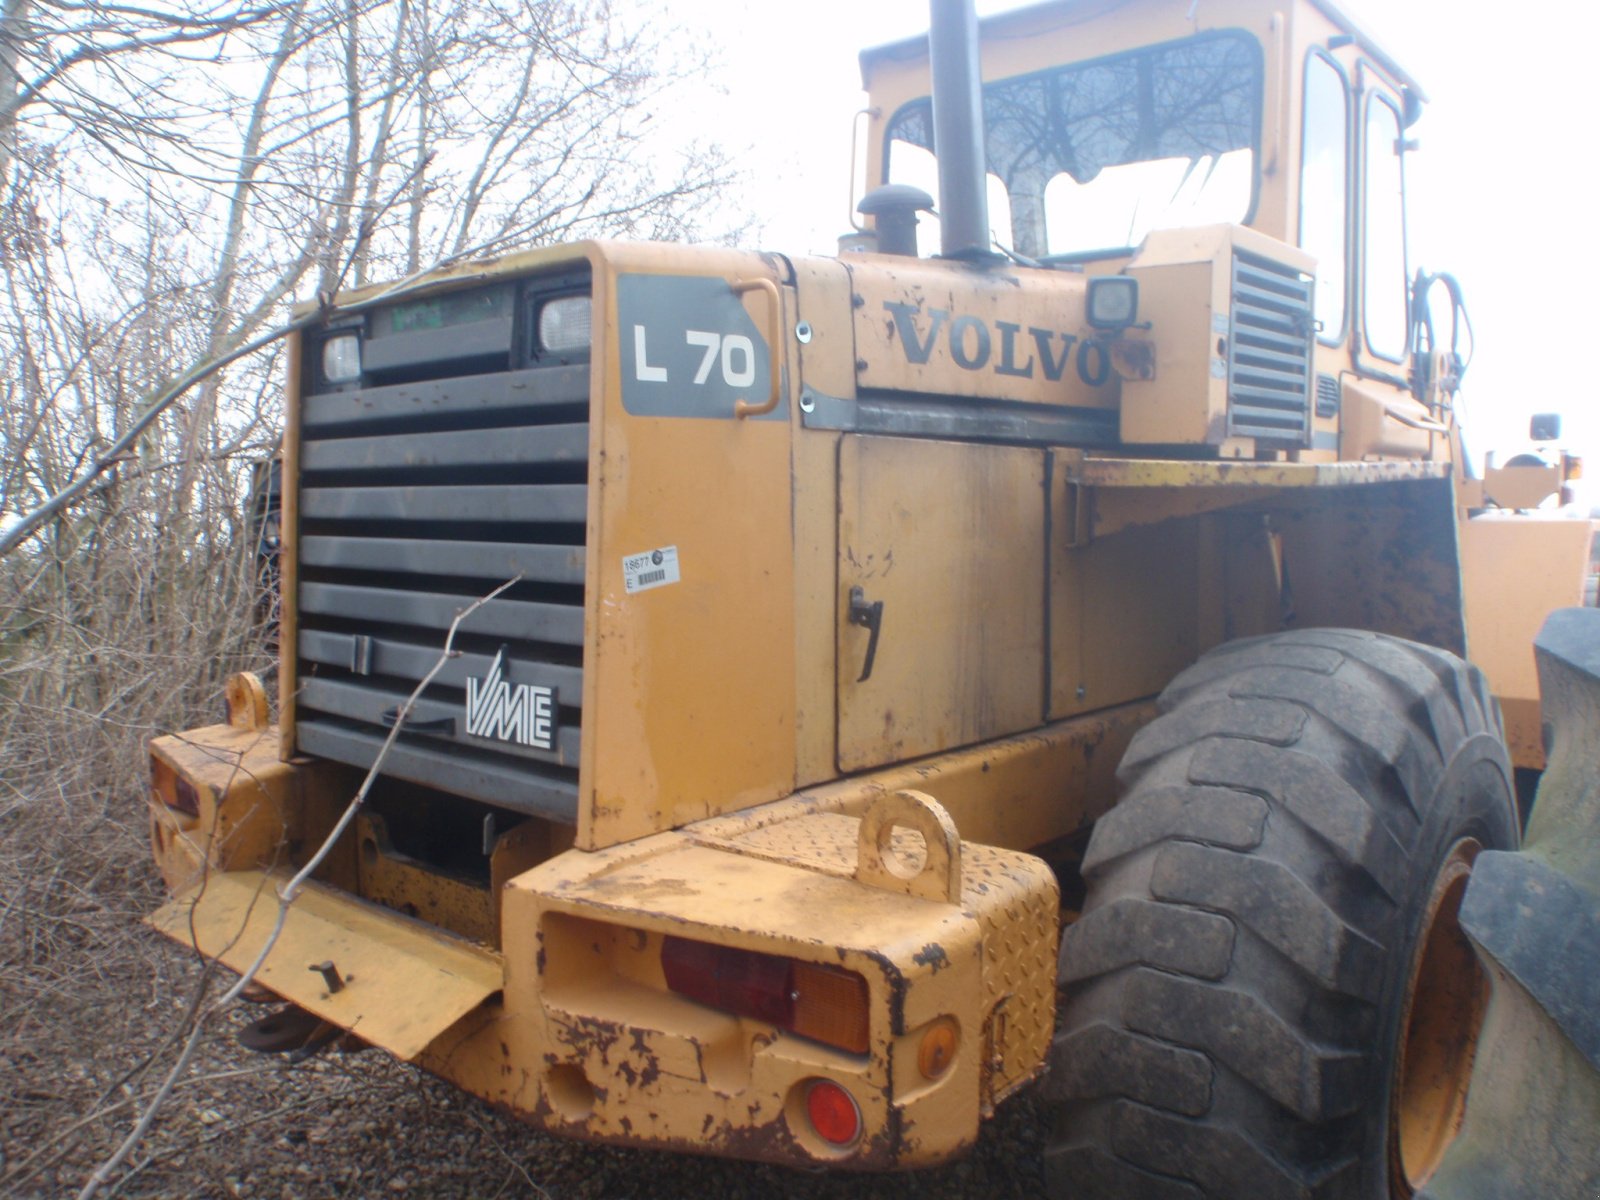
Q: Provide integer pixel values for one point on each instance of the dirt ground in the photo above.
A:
(92, 1013)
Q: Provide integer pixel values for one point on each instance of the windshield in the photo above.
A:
(1094, 155)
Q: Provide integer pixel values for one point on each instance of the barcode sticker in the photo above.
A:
(652, 569)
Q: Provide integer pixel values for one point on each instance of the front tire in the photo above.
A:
(1270, 929)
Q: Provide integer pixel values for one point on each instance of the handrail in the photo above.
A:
(744, 408)
(1426, 424)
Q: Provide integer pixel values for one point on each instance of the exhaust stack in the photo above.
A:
(958, 129)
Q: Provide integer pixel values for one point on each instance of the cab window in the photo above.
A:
(1325, 188)
(1092, 156)
(1385, 283)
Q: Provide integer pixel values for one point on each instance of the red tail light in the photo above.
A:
(828, 1004)
(833, 1113)
(175, 791)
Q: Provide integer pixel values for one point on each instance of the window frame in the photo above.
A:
(1380, 94)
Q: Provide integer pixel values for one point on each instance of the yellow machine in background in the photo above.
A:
(745, 820)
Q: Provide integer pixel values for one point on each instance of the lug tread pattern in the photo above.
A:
(1247, 718)
(1153, 1072)
(1226, 1165)
(1314, 1083)
(1342, 737)
(1089, 1173)
(1278, 906)
(1217, 816)
(1134, 932)
(1416, 671)
(1356, 711)
(1318, 659)
(1315, 795)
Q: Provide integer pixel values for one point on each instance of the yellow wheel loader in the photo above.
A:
(807, 642)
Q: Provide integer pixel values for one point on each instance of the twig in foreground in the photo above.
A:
(286, 896)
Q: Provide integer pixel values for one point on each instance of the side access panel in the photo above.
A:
(949, 538)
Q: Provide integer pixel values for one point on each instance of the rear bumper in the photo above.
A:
(592, 1044)
(572, 1026)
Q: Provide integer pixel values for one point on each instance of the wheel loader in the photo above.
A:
(781, 707)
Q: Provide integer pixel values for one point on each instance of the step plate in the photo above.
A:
(404, 983)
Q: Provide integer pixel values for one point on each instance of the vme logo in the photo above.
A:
(523, 713)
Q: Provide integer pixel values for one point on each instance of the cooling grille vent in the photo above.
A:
(1269, 351)
(416, 498)
(1327, 395)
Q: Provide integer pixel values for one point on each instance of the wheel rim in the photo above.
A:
(1445, 1001)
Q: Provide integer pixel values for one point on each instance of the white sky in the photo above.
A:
(1502, 192)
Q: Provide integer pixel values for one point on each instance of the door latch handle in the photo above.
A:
(870, 617)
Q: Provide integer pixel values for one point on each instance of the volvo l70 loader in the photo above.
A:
(922, 673)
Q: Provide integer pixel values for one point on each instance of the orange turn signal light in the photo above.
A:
(937, 1050)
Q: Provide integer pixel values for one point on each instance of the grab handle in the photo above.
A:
(744, 408)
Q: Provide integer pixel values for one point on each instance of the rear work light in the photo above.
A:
(814, 1000)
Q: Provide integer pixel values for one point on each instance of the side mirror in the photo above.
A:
(1413, 105)
(1545, 427)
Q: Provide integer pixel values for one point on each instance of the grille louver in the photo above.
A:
(1327, 395)
(416, 499)
(1270, 351)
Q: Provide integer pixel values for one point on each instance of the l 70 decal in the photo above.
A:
(688, 347)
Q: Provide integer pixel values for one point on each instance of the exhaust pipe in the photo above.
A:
(958, 129)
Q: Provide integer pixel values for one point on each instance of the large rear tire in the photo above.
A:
(1268, 994)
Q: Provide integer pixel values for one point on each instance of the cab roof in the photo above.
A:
(1001, 24)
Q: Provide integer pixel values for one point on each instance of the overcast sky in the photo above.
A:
(1502, 192)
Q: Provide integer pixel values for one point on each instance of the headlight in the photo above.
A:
(564, 325)
(341, 358)
(1113, 302)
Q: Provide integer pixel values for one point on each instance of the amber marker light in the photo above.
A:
(937, 1051)
(833, 1113)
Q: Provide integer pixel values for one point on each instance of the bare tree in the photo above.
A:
(171, 178)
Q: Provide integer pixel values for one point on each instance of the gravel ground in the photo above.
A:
(90, 1005)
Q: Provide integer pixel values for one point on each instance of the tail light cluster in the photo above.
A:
(176, 792)
(813, 1000)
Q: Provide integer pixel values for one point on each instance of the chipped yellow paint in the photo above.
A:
(1107, 472)
(250, 802)
(591, 1044)
(394, 880)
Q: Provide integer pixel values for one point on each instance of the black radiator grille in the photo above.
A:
(415, 500)
(1269, 351)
